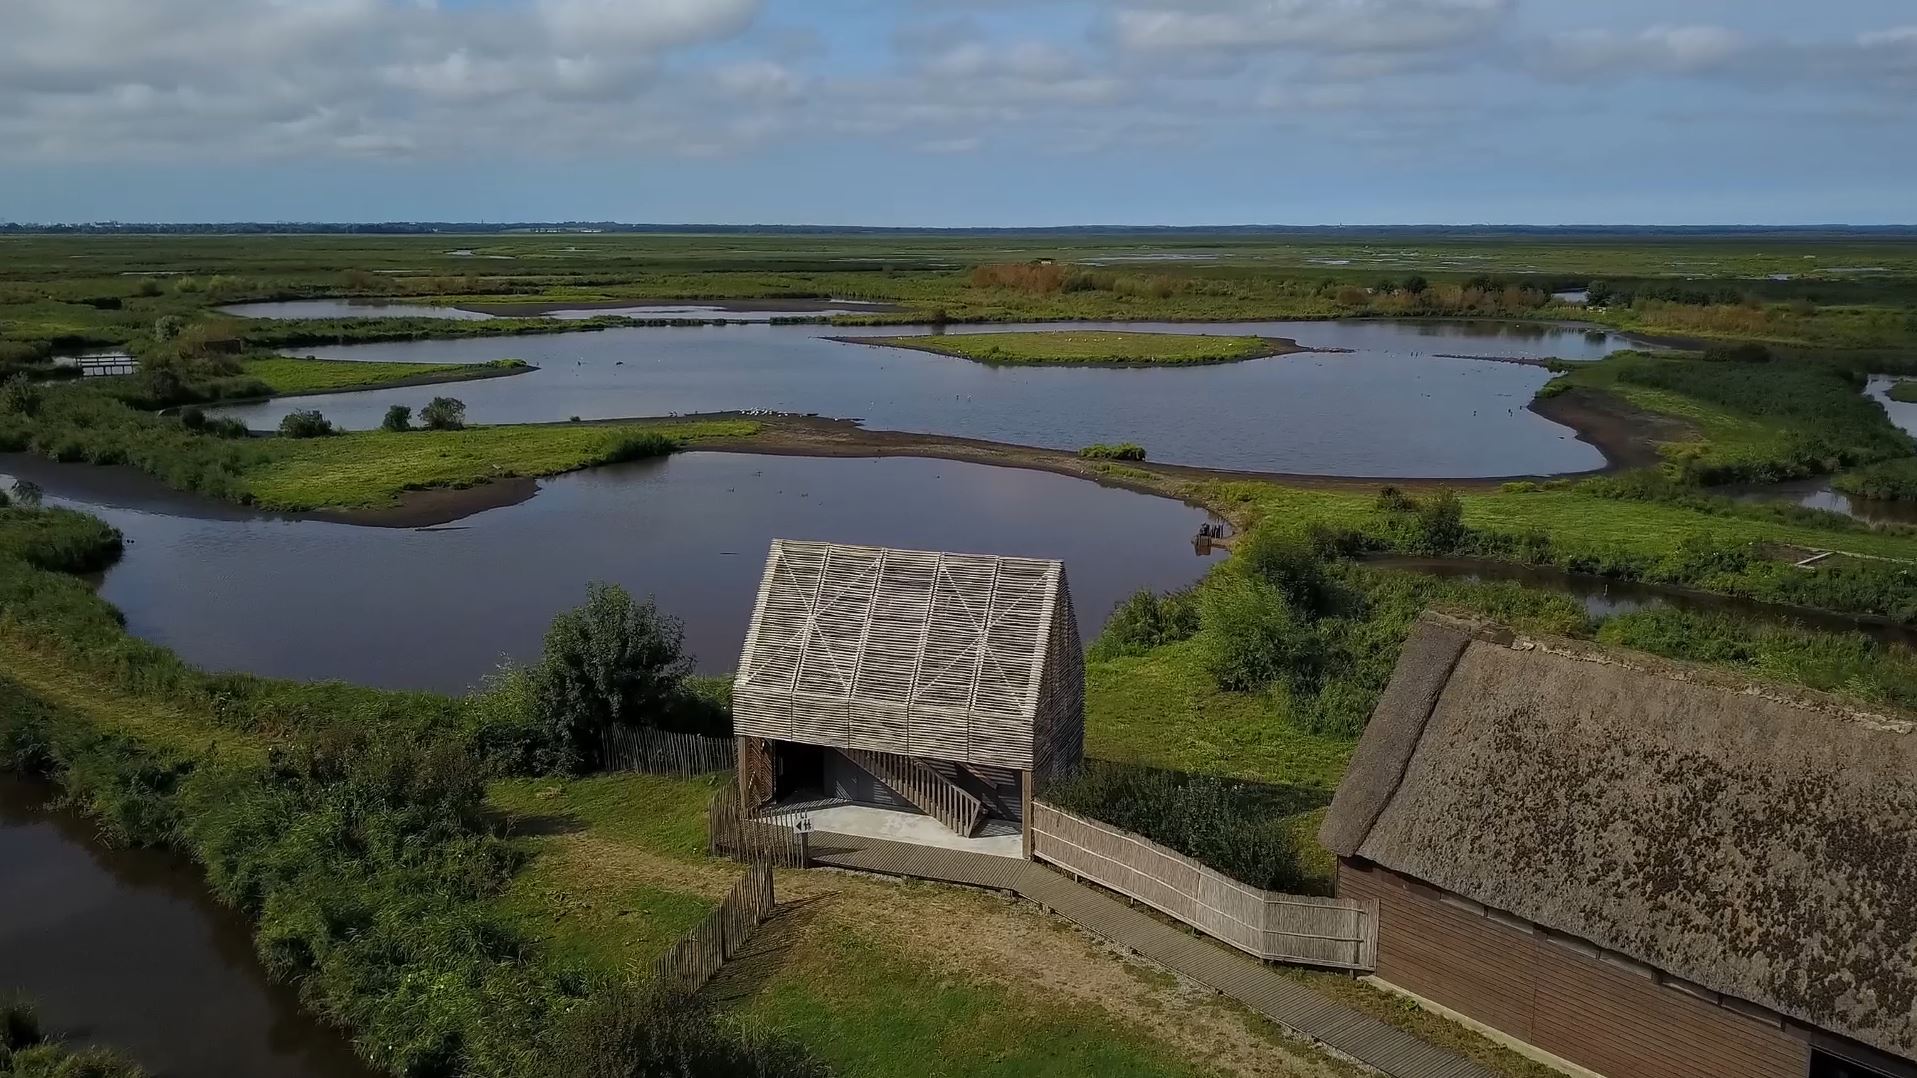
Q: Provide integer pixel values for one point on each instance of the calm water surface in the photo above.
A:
(438, 608)
(1393, 406)
(124, 948)
(374, 308)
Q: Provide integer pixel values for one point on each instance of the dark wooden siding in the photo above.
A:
(1599, 1013)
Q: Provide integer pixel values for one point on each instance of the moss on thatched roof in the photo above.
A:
(1758, 841)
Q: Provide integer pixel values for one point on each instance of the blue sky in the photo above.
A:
(964, 112)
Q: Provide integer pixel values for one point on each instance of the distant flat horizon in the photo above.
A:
(402, 227)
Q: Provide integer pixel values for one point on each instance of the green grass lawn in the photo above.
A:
(1639, 527)
(288, 376)
(1905, 390)
(578, 894)
(1163, 710)
(371, 468)
(1089, 346)
(872, 1013)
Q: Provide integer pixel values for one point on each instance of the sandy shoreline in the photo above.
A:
(1623, 435)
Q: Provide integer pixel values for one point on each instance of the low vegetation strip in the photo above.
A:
(288, 377)
(1095, 347)
(1760, 418)
(372, 468)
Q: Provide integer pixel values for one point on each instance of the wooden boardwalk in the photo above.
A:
(1290, 1004)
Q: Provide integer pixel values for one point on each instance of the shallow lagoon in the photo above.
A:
(1394, 406)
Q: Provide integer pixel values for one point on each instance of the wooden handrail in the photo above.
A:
(933, 793)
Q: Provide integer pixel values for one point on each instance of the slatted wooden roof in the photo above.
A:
(916, 652)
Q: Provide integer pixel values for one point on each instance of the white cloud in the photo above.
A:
(763, 80)
(214, 80)
(1338, 25)
(1677, 50)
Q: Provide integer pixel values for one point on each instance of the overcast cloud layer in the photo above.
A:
(960, 112)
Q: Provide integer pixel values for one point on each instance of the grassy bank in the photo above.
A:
(285, 376)
(372, 468)
(1756, 419)
(362, 469)
(1094, 347)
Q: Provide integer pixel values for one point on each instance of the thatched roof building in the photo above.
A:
(1747, 845)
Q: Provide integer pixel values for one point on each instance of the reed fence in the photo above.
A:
(1329, 932)
(699, 953)
(663, 752)
(731, 833)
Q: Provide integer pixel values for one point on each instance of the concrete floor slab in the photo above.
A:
(866, 821)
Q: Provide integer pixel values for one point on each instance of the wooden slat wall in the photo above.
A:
(1335, 933)
(952, 657)
(692, 961)
(1611, 1018)
(663, 752)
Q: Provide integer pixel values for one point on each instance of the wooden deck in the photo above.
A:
(1290, 1004)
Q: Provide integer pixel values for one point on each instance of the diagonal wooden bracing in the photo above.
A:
(916, 653)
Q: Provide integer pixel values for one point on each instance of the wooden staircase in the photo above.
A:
(933, 793)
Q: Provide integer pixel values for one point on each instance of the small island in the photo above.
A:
(1104, 348)
(1904, 390)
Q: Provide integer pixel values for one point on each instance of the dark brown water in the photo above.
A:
(123, 948)
(1393, 406)
(1818, 494)
(439, 608)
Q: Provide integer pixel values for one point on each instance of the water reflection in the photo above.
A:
(439, 608)
(1393, 406)
(125, 949)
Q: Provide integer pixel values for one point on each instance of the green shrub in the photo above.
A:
(1121, 451)
(305, 424)
(1890, 480)
(613, 661)
(641, 447)
(168, 326)
(1254, 639)
(443, 413)
(19, 396)
(1147, 620)
(1238, 828)
(398, 418)
(1288, 562)
(624, 1033)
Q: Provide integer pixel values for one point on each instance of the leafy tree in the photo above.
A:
(398, 418)
(167, 327)
(614, 661)
(1416, 285)
(443, 413)
(305, 424)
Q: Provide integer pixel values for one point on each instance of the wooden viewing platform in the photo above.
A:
(1291, 1005)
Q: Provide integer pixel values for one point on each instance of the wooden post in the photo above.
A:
(1025, 809)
